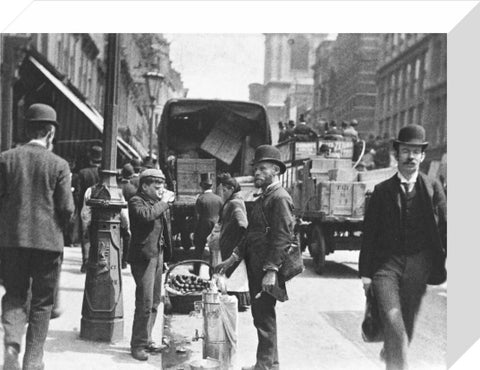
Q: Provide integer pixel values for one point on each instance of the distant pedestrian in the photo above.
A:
(289, 130)
(137, 168)
(404, 244)
(270, 232)
(150, 246)
(303, 132)
(333, 133)
(86, 178)
(207, 213)
(350, 132)
(126, 176)
(282, 132)
(148, 163)
(36, 203)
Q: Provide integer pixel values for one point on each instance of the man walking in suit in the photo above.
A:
(150, 241)
(269, 234)
(404, 244)
(207, 213)
(36, 203)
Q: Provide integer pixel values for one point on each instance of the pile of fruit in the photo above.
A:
(188, 284)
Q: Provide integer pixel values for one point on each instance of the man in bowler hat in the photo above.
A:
(150, 246)
(404, 244)
(36, 204)
(207, 213)
(269, 234)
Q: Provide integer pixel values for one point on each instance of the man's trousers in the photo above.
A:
(24, 270)
(399, 286)
(264, 319)
(148, 289)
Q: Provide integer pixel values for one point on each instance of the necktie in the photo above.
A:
(406, 187)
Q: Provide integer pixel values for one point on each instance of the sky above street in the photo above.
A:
(218, 65)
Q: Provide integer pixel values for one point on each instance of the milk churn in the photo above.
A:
(219, 327)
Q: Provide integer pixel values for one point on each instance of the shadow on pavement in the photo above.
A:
(60, 341)
(333, 270)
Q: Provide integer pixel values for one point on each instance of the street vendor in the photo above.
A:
(150, 247)
(269, 233)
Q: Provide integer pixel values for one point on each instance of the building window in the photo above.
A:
(402, 119)
(394, 124)
(299, 53)
(60, 52)
(411, 116)
(420, 114)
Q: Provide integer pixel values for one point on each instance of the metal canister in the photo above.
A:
(215, 342)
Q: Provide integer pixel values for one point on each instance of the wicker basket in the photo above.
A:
(183, 303)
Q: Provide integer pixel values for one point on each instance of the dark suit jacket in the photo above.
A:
(148, 223)
(381, 229)
(87, 177)
(207, 209)
(36, 200)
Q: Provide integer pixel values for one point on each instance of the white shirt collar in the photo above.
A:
(412, 180)
(208, 191)
(39, 142)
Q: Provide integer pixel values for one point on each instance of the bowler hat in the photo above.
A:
(268, 153)
(136, 164)
(205, 179)
(96, 153)
(41, 113)
(411, 135)
(152, 172)
(127, 171)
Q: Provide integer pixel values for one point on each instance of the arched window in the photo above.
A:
(299, 52)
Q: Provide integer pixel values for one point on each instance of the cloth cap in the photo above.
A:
(152, 172)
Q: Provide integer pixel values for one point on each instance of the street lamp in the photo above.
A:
(153, 80)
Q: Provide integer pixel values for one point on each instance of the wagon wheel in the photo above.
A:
(317, 248)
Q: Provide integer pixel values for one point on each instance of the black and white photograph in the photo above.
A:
(227, 200)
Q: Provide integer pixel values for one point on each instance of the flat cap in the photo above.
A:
(152, 172)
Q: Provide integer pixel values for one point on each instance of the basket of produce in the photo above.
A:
(184, 288)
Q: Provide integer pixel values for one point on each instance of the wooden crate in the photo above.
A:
(343, 174)
(188, 174)
(305, 150)
(322, 164)
(286, 153)
(224, 141)
(341, 198)
(343, 149)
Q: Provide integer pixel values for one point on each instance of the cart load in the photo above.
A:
(329, 195)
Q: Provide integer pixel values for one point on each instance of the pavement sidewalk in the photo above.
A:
(65, 350)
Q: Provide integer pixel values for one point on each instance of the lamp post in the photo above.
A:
(102, 310)
(153, 80)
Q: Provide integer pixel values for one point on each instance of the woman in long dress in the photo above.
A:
(234, 224)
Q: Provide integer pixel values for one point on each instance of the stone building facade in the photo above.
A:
(412, 87)
(344, 80)
(78, 61)
(287, 85)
